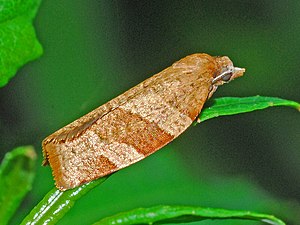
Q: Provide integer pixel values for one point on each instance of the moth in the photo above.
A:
(137, 123)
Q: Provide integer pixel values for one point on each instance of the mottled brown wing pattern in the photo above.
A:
(133, 125)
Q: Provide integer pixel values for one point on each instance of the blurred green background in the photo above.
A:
(95, 50)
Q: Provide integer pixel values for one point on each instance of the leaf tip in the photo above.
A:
(30, 152)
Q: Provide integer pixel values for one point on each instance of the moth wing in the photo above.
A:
(129, 127)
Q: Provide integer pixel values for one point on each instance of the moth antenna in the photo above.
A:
(216, 79)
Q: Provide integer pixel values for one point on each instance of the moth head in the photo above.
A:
(228, 74)
(225, 73)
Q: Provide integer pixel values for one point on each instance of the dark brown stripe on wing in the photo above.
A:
(125, 127)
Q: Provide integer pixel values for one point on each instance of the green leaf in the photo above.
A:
(234, 105)
(18, 42)
(57, 203)
(16, 176)
(183, 214)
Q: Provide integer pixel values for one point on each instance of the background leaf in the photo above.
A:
(17, 172)
(234, 105)
(18, 42)
(183, 214)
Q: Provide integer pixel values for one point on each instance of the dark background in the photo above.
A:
(95, 50)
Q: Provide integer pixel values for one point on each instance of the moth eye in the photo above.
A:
(227, 77)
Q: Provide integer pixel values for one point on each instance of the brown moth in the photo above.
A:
(137, 123)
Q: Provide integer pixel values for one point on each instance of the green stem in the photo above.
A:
(57, 203)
